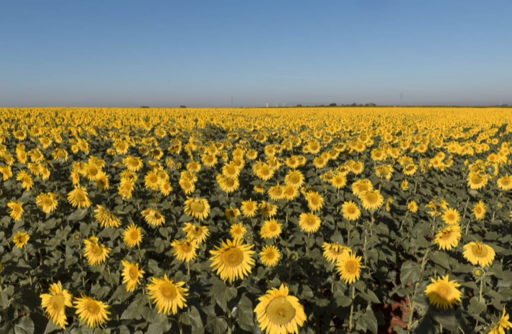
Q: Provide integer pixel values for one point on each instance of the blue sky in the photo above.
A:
(203, 53)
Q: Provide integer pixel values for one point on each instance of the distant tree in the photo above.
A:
(183, 106)
(332, 105)
(299, 105)
(353, 104)
(145, 107)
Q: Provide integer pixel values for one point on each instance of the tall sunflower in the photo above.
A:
(20, 239)
(278, 312)
(237, 231)
(54, 304)
(197, 233)
(249, 208)
(361, 186)
(349, 267)
(315, 201)
(477, 181)
(350, 211)
(26, 180)
(372, 200)
(197, 208)
(271, 229)
(78, 198)
(294, 178)
(479, 210)
(105, 218)
(339, 181)
(131, 275)
(167, 295)
(449, 237)
(95, 253)
(502, 324)
(132, 236)
(270, 256)
(479, 254)
(91, 311)
(16, 210)
(233, 260)
(451, 217)
(185, 250)
(47, 202)
(443, 293)
(335, 252)
(309, 222)
(153, 217)
(505, 183)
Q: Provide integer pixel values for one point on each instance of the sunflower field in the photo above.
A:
(276, 221)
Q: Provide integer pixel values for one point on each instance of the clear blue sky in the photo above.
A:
(203, 53)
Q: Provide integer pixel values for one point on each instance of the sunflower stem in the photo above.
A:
(351, 319)
(481, 290)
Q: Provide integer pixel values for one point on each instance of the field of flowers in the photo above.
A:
(331, 220)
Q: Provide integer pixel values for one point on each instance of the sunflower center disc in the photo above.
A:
(479, 251)
(280, 311)
(80, 196)
(168, 291)
(443, 290)
(132, 273)
(92, 308)
(134, 235)
(351, 267)
(57, 302)
(232, 257)
(197, 207)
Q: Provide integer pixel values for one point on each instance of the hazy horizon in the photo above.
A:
(247, 54)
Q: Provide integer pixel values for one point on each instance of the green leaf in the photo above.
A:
(79, 214)
(475, 307)
(24, 326)
(410, 273)
(369, 321)
(370, 296)
(134, 310)
(441, 259)
(51, 327)
(244, 314)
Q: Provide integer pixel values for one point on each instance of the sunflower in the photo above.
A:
(232, 214)
(505, 183)
(413, 207)
(479, 210)
(197, 233)
(167, 295)
(16, 210)
(361, 186)
(263, 171)
(249, 208)
(102, 181)
(230, 171)
(350, 211)
(91, 311)
(187, 186)
(372, 200)
(228, 184)
(197, 208)
(410, 169)
(294, 178)
(54, 304)
(309, 223)
(502, 324)
(132, 164)
(405, 185)
(105, 218)
(334, 252)
(451, 217)
(349, 267)
(477, 181)
(280, 313)
(315, 201)
(153, 217)
(276, 193)
(357, 168)
(151, 181)
(78, 198)
(233, 260)
(448, 238)
(209, 160)
(270, 256)
(443, 293)
(267, 210)
(479, 254)
(271, 229)
(25, 179)
(131, 275)
(47, 202)
(132, 236)
(339, 181)
(20, 239)
(185, 251)
(95, 253)
(237, 231)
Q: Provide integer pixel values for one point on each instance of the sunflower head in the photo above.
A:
(55, 303)
(233, 260)
(197, 208)
(169, 296)
(443, 293)
(349, 267)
